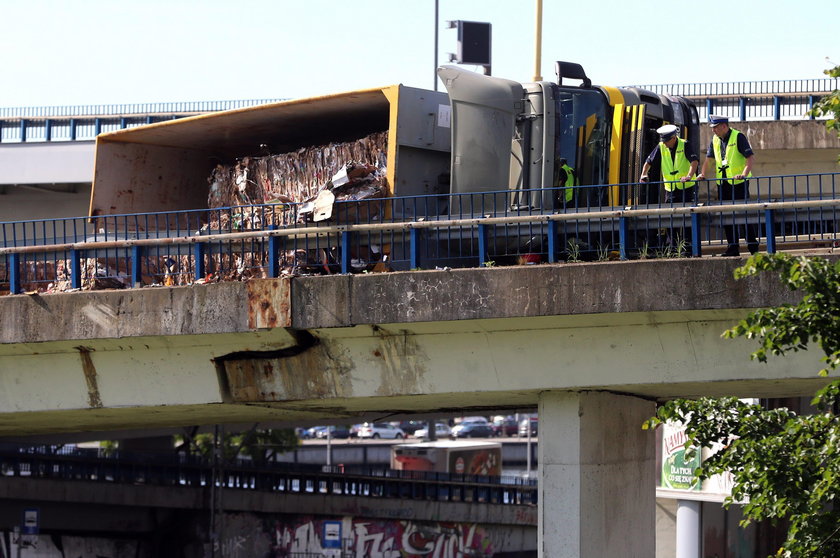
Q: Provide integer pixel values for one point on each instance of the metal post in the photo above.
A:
(696, 250)
(623, 235)
(777, 107)
(538, 43)
(414, 248)
(72, 128)
(770, 230)
(552, 241)
(346, 243)
(22, 130)
(14, 273)
(136, 271)
(198, 256)
(274, 243)
(482, 245)
(47, 130)
(742, 108)
(76, 269)
(437, 12)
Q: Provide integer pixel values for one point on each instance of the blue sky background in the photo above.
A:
(69, 52)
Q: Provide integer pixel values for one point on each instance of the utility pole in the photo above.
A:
(538, 43)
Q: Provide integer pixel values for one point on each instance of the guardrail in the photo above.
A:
(753, 100)
(466, 230)
(85, 122)
(746, 100)
(189, 471)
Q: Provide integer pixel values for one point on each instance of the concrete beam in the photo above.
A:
(377, 345)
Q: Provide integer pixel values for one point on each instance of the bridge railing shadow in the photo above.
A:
(507, 227)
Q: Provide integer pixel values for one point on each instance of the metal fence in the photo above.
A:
(421, 232)
(753, 100)
(85, 122)
(183, 470)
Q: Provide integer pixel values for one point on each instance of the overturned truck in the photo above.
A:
(347, 158)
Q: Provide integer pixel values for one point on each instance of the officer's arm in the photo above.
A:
(747, 168)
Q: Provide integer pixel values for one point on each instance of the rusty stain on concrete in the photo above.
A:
(269, 303)
(94, 399)
(271, 376)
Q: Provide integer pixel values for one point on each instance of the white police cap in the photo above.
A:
(667, 131)
(715, 119)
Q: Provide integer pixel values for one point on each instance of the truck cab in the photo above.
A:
(507, 134)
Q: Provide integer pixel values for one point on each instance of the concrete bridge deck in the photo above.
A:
(363, 346)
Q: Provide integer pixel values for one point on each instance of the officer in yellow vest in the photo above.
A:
(733, 157)
(678, 162)
(565, 176)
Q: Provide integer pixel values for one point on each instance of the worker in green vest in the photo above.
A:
(566, 178)
(678, 162)
(733, 157)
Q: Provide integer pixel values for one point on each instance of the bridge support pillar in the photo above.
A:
(597, 476)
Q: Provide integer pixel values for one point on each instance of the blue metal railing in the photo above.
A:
(85, 122)
(460, 230)
(196, 472)
(753, 100)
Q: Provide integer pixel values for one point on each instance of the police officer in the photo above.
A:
(565, 176)
(733, 159)
(678, 162)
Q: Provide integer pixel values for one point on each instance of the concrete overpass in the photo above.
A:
(594, 346)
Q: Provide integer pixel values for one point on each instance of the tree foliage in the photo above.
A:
(784, 466)
(260, 445)
(829, 105)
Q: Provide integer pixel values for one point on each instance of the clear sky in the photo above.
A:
(70, 52)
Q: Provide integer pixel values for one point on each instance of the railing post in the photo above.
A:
(47, 130)
(72, 128)
(552, 241)
(136, 271)
(709, 106)
(695, 235)
(123, 123)
(346, 243)
(812, 99)
(770, 230)
(777, 107)
(97, 126)
(623, 236)
(482, 245)
(22, 130)
(274, 243)
(75, 269)
(14, 273)
(742, 108)
(414, 248)
(198, 256)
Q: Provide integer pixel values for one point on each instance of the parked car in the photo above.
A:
(441, 431)
(473, 430)
(409, 427)
(523, 426)
(380, 430)
(312, 432)
(339, 432)
(505, 426)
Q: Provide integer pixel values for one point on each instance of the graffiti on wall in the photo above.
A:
(384, 539)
